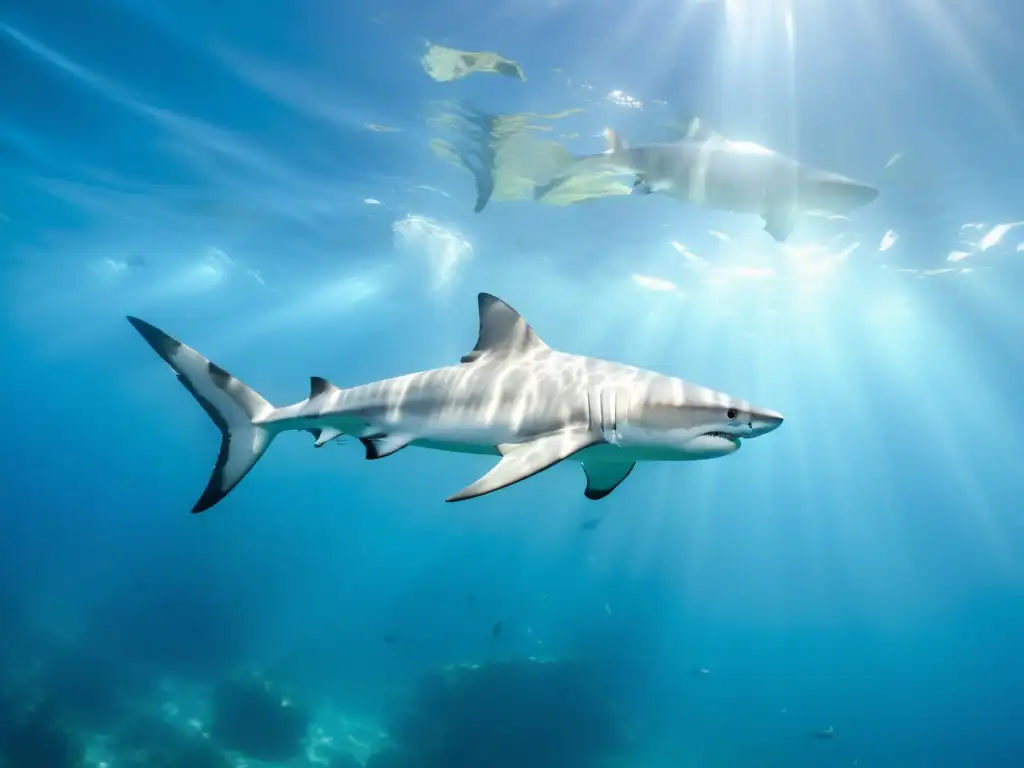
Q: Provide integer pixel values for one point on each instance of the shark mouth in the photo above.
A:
(723, 436)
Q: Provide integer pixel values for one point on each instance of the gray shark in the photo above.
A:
(739, 176)
(512, 396)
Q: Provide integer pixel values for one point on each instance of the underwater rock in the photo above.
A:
(146, 741)
(325, 750)
(40, 740)
(343, 760)
(250, 715)
(91, 688)
(163, 607)
(544, 714)
(389, 758)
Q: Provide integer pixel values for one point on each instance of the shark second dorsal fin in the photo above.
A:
(503, 331)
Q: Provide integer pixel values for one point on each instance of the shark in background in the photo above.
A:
(512, 396)
(739, 176)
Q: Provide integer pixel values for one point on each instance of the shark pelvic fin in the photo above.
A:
(640, 186)
(503, 331)
(603, 477)
(381, 446)
(522, 460)
(325, 435)
(779, 224)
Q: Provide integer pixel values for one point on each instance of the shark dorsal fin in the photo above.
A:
(503, 331)
(613, 142)
(693, 129)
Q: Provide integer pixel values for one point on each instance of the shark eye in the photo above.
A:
(732, 413)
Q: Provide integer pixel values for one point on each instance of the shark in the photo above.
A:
(512, 396)
(708, 169)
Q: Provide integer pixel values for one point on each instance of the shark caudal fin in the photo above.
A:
(234, 408)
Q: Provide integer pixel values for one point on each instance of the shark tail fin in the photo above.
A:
(238, 411)
(613, 142)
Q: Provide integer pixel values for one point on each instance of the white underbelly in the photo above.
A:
(461, 438)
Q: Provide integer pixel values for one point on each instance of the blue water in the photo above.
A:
(209, 168)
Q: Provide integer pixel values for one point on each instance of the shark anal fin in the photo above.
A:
(503, 331)
(381, 446)
(522, 460)
(603, 477)
(325, 435)
(779, 224)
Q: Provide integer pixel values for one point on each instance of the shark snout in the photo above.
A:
(763, 422)
(863, 193)
(842, 194)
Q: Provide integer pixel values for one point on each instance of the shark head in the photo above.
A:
(719, 431)
(681, 421)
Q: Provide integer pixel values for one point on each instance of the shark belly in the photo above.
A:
(458, 409)
(736, 182)
(604, 453)
(453, 446)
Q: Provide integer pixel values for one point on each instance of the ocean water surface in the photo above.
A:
(313, 188)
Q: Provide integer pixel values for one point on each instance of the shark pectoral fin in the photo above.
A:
(325, 435)
(603, 477)
(484, 190)
(779, 223)
(522, 460)
(380, 446)
(640, 186)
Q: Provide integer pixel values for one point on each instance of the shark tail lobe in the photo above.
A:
(238, 411)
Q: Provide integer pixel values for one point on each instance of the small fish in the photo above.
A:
(496, 629)
(390, 639)
(591, 524)
(700, 672)
(824, 735)
(470, 599)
